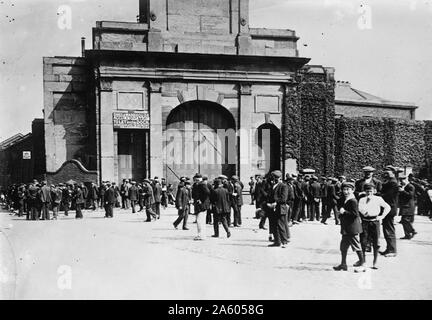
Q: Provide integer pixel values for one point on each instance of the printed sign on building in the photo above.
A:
(131, 120)
(26, 155)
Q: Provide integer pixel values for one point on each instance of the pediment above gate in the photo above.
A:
(200, 93)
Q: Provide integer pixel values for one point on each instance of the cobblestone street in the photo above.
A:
(126, 258)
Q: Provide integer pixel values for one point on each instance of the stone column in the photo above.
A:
(245, 134)
(106, 130)
(156, 134)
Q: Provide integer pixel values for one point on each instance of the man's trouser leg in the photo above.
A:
(236, 215)
(133, 203)
(389, 233)
(55, 210)
(216, 219)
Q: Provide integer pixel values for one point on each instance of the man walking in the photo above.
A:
(237, 200)
(182, 205)
(202, 204)
(350, 228)
(314, 198)
(221, 208)
(407, 207)
(157, 193)
(390, 192)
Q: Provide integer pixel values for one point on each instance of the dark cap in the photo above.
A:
(348, 185)
(198, 175)
(277, 173)
(368, 186)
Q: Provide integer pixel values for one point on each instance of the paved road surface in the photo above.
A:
(126, 258)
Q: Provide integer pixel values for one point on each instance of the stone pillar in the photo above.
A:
(107, 155)
(156, 134)
(245, 134)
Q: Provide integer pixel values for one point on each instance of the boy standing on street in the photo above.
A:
(370, 208)
(350, 228)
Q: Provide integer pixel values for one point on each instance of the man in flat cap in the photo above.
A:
(109, 200)
(350, 228)
(56, 198)
(368, 172)
(157, 193)
(133, 195)
(201, 193)
(314, 198)
(407, 206)
(332, 199)
(124, 192)
(149, 200)
(221, 205)
(279, 211)
(390, 194)
(45, 196)
(182, 204)
(237, 200)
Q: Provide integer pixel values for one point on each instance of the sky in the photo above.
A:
(382, 47)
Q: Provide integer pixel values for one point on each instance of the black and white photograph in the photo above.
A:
(216, 150)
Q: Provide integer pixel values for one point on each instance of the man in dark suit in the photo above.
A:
(306, 208)
(93, 196)
(56, 198)
(407, 206)
(33, 202)
(279, 211)
(133, 195)
(324, 184)
(209, 210)
(157, 193)
(314, 198)
(237, 200)
(149, 200)
(390, 192)
(182, 204)
(109, 200)
(298, 199)
(367, 179)
(45, 196)
(351, 227)
(79, 201)
(202, 204)
(124, 191)
(221, 207)
(289, 181)
(331, 201)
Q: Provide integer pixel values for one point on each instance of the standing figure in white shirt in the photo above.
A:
(372, 209)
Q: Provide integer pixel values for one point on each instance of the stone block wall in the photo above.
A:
(69, 114)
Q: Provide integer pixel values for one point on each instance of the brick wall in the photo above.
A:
(74, 170)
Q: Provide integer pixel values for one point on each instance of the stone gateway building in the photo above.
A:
(191, 87)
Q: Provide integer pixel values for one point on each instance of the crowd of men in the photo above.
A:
(360, 207)
(36, 200)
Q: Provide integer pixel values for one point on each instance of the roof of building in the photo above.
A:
(9, 141)
(15, 139)
(345, 94)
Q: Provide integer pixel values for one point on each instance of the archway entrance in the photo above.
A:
(200, 137)
(269, 153)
